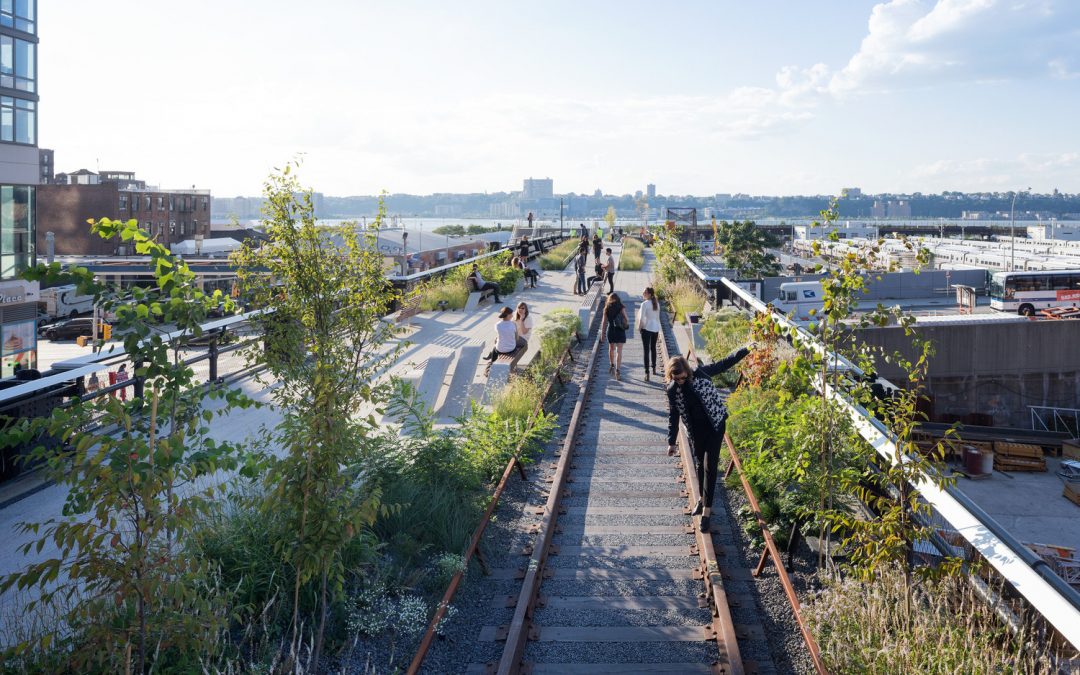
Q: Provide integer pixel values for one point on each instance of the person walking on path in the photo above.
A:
(583, 245)
(693, 399)
(580, 263)
(581, 230)
(597, 246)
(482, 285)
(507, 340)
(609, 271)
(614, 326)
(648, 325)
(523, 247)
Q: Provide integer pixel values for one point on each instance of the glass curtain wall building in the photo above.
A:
(19, 176)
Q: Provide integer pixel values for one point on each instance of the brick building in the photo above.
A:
(63, 209)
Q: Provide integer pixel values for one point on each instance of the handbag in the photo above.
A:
(620, 321)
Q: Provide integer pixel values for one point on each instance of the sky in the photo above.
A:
(770, 97)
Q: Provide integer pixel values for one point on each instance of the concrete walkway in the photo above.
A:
(441, 355)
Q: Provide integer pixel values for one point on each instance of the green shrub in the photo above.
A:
(723, 331)
(452, 287)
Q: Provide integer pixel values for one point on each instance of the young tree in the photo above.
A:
(325, 346)
(128, 592)
(610, 218)
(745, 249)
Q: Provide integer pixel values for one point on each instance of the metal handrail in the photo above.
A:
(443, 269)
(1029, 574)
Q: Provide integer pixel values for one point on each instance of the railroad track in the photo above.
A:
(617, 578)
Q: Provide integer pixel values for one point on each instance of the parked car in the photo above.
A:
(70, 329)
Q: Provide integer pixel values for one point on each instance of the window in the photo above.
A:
(17, 63)
(18, 119)
(183, 228)
(16, 226)
(123, 202)
(205, 203)
(172, 203)
(160, 203)
(172, 227)
(18, 14)
(146, 203)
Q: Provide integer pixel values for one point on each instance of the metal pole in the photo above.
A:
(1012, 234)
(560, 216)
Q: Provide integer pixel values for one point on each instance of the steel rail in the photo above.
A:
(518, 634)
(727, 643)
(474, 542)
(774, 553)
(1030, 575)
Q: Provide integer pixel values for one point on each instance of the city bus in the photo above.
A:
(1027, 292)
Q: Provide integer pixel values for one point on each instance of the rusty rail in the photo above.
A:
(518, 634)
(474, 542)
(772, 552)
(723, 628)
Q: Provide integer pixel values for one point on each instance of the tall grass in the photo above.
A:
(683, 297)
(632, 257)
(556, 258)
(453, 293)
(870, 628)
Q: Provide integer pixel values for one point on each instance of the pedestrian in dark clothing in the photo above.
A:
(580, 262)
(582, 231)
(597, 246)
(614, 326)
(583, 245)
(523, 247)
(482, 285)
(598, 274)
(693, 399)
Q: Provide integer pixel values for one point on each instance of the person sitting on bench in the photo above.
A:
(507, 340)
(531, 275)
(598, 274)
(482, 285)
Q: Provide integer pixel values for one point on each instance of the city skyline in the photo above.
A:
(896, 97)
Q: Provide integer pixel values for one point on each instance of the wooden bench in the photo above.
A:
(475, 296)
(409, 309)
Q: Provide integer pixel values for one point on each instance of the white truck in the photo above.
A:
(798, 298)
(63, 302)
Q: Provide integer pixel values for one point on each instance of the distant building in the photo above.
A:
(1055, 231)
(852, 192)
(650, 191)
(537, 188)
(45, 161)
(170, 216)
(845, 230)
(891, 209)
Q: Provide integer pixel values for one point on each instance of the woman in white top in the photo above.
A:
(524, 322)
(506, 337)
(648, 324)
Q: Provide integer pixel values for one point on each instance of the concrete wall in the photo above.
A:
(19, 165)
(994, 369)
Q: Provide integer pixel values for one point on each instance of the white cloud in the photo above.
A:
(913, 43)
(1041, 170)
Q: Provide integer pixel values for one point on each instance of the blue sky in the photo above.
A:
(763, 97)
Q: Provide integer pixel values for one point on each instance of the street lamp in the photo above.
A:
(198, 244)
(1012, 232)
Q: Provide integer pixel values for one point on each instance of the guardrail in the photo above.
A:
(1032, 578)
(409, 279)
